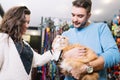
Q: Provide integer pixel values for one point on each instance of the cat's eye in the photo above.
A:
(63, 37)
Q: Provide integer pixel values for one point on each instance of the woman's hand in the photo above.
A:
(75, 52)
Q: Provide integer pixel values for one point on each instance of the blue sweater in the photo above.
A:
(98, 37)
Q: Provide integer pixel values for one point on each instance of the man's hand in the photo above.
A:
(75, 53)
(76, 73)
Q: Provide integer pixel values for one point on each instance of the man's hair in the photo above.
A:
(83, 3)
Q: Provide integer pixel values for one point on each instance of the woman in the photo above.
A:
(16, 57)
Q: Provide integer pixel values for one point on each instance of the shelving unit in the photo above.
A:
(114, 72)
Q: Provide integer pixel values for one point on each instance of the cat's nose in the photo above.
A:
(62, 39)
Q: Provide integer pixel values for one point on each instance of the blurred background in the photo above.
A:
(102, 10)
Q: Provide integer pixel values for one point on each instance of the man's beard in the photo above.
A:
(82, 25)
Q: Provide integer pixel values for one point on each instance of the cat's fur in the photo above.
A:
(66, 64)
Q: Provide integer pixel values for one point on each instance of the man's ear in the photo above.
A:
(89, 14)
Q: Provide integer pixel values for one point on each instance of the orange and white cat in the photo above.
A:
(66, 64)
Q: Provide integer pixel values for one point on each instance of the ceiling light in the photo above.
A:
(97, 12)
(107, 1)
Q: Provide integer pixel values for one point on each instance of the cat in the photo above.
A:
(66, 64)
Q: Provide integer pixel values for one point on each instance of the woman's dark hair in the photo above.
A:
(84, 4)
(13, 21)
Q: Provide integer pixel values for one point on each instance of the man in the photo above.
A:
(96, 36)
